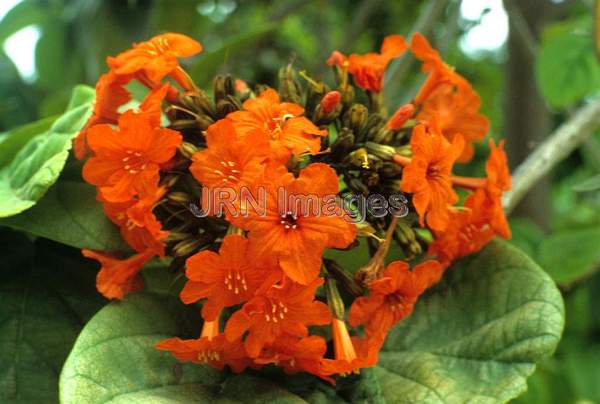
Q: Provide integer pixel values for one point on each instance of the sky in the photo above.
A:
(490, 34)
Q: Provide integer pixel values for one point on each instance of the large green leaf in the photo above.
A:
(570, 254)
(40, 161)
(477, 335)
(70, 214)
(13, 141)
(47, 293)
(567, 69)
(114, 360)
(24, 14)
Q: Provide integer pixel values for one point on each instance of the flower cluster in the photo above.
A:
(267, 290)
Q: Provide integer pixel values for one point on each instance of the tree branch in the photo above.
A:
(553, 150)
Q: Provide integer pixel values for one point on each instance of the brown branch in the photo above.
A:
(553, 150)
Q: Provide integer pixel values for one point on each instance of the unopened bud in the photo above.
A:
(204, 121)
(382, 151)
(345, 279)
(187, 149)
(334, 300)
(179, 197)
(187, 247)
(358, 115)
(289, 88)
(331, 101)
(359, 158)
(400, 117)
(241, 87)
(343, 144)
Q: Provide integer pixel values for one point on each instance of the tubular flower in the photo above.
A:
(211, 348)
(392, 297)
(337, 58)
(351, 353)
(230, 161)
(225, 279)
(296, 230)
(283, 308)
(139, 226)
(118, 277)
(400, 117)
(296, 355)
(281, 124)
(456, 112)
(110, 95)
(367, 70)
(427, 176)
(439, 72)
(155, 58)
(128, 158)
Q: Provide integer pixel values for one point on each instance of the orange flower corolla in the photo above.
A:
(427, 176)
(281, 124)
(127, 159)
(284, 308)
(154, 58)
(296, 238)
(368, 70)
(229, 160)
(392, 297)
(228, 278)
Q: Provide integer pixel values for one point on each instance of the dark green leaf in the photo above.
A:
(70, 214)
(477, 335)
(569, 254)
(47, 293)
(38, 163)
(567, 69)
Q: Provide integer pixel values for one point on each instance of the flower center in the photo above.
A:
(133, 162)
(229, 172)
(289, 221)
(207, 355)
(396, 301)
(236, 281)
(157, 46)
(277, 313)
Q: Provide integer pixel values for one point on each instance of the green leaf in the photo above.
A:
(38, 164)
(210, 62)
(477, 335)
(114, 360)
(70, 214)
(47, 293)
(13, 141)
(567, 69)
(474, 337)
(591, 184)
(570, 254)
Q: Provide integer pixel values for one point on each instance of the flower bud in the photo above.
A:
(343, 144)
(178, 197)
(345, 279)
(357, 117)
(187, 149)
(331, 101)
(382, 151)
(334, 300)
(187, 247)
(289, 88)
(400, 117)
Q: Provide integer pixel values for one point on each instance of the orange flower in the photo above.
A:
(456, 112)
(296, 355)
(119, 277)
(280, 122)
(298, 237)
(330, 101)
(392, 297)
(337, 58)
(230, 161)
(110, 95)
(399, 118)
(284, 308)
(351, 353)
(128, 158)
(138, 224)
(440, 72)
(427, 176)
(483, 216)
(226, 279)
(155, 58)
(211, 348)
(368, 70)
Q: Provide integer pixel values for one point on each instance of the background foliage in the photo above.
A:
(252, 39)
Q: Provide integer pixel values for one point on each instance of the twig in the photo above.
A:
(522, 29)
(554, 149)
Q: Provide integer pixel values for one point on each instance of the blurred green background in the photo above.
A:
(533, 62)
